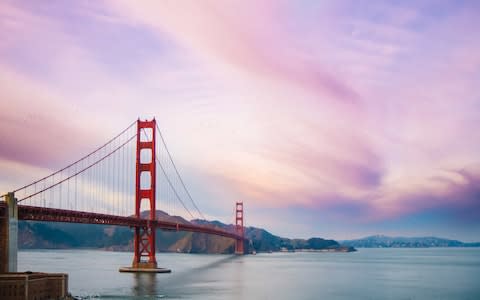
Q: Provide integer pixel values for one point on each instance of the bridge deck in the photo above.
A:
(35, 213)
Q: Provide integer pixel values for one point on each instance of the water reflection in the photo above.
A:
(173, 284)
(144, 284)
(239, 280)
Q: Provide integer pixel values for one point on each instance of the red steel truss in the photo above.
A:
(45, 214)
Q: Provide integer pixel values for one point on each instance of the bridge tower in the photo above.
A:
(239, 244)
(144, 237)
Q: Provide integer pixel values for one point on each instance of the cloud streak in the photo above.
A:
(218, 32)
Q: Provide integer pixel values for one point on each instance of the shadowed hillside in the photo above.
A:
(67, 235)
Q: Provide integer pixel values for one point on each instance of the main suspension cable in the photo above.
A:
(70, 165)
(168, 179)
(79, 172)
(178, 174)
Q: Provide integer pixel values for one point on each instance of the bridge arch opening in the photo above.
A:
(145, 180)
(146, 156)
(147, 134)
(145, 206)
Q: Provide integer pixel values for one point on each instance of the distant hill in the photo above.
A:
(44, 235)
(382, 241)
(263, 241)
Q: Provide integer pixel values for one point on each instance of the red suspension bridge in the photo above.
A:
(111, 186)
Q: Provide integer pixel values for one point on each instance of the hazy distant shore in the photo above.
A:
(382, 241)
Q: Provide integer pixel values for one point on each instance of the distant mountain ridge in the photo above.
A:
(68, 235)
(382, 241)
(264, 241)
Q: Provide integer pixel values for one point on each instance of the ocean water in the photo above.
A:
(435, 273)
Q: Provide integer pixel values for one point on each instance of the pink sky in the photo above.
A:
(332, 118)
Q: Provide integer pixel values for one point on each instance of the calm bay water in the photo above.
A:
(437, 273)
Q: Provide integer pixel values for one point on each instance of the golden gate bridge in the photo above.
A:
(111, 186)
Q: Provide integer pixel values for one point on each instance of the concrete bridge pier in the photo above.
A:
(9, 235)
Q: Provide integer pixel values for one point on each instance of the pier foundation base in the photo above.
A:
(144, 270)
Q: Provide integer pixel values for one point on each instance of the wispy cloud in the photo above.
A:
(219, 33)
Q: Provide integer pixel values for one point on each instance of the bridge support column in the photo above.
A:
(144, 239)
(144, 259)
(9, 236)
(239, 244)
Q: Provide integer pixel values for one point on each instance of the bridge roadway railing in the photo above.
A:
(35, 213)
